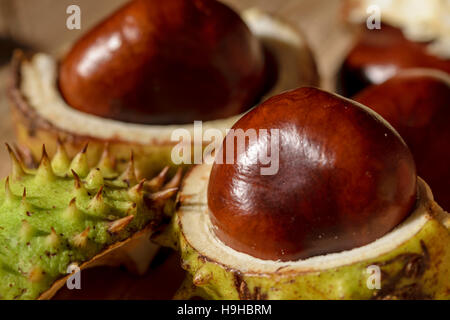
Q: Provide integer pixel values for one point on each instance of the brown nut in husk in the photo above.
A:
(41, 115)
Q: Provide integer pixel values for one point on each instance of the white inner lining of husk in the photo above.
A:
(40, 74)
(197, 230)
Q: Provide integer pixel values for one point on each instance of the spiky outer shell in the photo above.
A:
(32, 131)
(419, 268)
(295, 64)
(63, 213)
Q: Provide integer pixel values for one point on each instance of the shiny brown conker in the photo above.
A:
(379, 54)
(345, 179)
(417, 105)
(165, 62)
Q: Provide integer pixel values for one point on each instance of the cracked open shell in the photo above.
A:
(413, 260)
(41, 115)
(65, 213)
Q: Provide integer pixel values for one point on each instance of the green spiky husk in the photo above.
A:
(31, 133)
(52, 217)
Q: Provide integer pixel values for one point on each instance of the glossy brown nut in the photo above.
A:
(418, 106)
(379, 54)
(345, 179)
(165, 62)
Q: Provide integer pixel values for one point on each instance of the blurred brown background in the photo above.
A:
(41, 25)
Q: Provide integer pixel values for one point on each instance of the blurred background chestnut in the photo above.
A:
(380, 54)
(417, 104)
(392, 36)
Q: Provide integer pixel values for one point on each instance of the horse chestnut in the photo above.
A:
(165, 62)
(345, 179)
(379, 54)
(417, 104)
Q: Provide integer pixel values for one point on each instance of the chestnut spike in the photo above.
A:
(9, 196)
(129, 175)
(80, 240)
(45, 172)
(120, 224)
(61, 161)
(162, 195)
(52, 240)
(95, 179)
(72, 213)
(26, 207)
(99, 195)
(175, 181)
(78, 183)
(156, 183)
(80, 192)
(98, 205)
(107, 163)
(17, 166)
(136, 193)
(80, 164)
(84, 150)
(26, 231)
(25, 156)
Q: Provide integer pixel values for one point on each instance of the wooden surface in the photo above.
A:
(42, 26)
